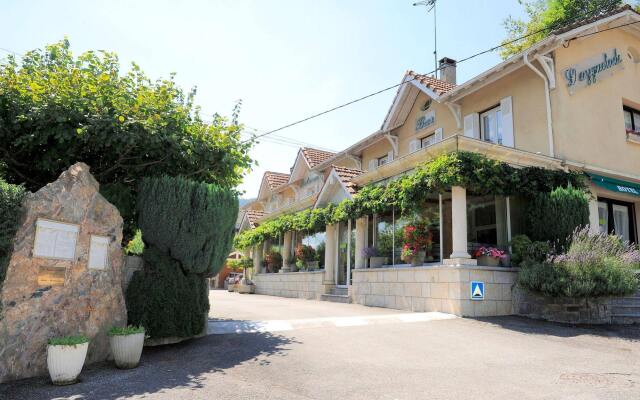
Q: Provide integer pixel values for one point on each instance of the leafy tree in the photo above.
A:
(57, 109)
(547, 15)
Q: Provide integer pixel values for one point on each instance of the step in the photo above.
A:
(625, 311)
(336, 298)
(626, 301)
(339, 291)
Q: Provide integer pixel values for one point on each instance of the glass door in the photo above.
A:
(616, 217)
(621, 221)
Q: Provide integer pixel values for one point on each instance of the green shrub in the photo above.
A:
(594, 265)
(68, 340)
(128, 330)
(187, 228)
(11, 212)
(165, 300)
(135, 246)
(552, 217)
(519, 246)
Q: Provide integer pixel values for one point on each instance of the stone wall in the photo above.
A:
(49, 296)
(435, 288)
(562, 309)
(303, 285)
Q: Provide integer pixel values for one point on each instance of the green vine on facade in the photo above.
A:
(477, 173)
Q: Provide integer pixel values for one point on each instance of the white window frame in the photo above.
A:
(497, 118)
(430, 139)
(383, 160)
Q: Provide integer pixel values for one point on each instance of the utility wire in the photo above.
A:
(489, 50)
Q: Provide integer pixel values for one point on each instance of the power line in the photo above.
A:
(492, 49)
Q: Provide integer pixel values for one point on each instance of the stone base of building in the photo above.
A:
(303, 285)
(563, 309)
(441, 288)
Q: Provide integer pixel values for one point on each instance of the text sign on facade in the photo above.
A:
(55, 240)
(426, 120)
(98, 252)
(477, 290)
(51, 276)
(592, 70)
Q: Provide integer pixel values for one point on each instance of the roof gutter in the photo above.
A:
(525, 58)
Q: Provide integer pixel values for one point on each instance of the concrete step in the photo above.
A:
(339, 291)
(626, 301)
(336, 298)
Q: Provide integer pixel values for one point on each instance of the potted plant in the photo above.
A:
(273, 260)
(65, 358)
(306, 256)
(417, 239)
(489, 256)
(126, 345)
(375, 261)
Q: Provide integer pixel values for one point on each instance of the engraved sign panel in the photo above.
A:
(51, 276)
(55, 240)
(98, 252)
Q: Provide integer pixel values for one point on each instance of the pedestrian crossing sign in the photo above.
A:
(477, 290)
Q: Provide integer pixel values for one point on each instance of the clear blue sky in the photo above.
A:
(284, 59)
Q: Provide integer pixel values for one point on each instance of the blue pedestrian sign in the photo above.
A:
(477, 290)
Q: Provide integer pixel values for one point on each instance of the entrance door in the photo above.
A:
(617, 217)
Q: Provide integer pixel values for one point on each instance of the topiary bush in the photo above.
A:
(11, 212)
(595, 265)
(552, 217)
(187, 229)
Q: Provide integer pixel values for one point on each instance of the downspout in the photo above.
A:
(525, 58)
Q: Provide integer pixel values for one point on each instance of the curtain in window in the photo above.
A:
(621, 221)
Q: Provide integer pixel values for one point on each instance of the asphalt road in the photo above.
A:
(299, 349)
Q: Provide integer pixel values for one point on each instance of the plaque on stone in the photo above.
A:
(51, 276)
(55, 240)
(98, 252)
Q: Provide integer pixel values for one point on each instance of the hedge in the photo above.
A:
(11, 212)
(479, 174)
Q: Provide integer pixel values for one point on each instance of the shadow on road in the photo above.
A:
(164, 367)
(538, 327)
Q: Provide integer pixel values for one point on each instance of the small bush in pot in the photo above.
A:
(126, 345)
(65, 358)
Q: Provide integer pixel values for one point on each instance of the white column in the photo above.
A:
(594, 217)
(459, 223)
(361, 242)
(257, 258)
(330, 255)
(286, 252)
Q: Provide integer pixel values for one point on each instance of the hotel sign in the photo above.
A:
(592, 70)
(426, 120)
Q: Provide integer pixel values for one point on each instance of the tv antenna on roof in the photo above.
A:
(431, 5)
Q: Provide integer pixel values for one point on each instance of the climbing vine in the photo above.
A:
(477, 173)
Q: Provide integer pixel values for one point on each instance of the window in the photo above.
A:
(631, 120)
(617, 217)
(383, 160)
(491, 125)
(428, 141)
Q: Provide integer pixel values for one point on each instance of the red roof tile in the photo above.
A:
(253, 216)
(315, 156)
(440, 87)
(346, 174)
(276, 179)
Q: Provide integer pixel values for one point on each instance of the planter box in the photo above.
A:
(377, 262)
(488, 261)
(65, 362)
(313, 265)
(127, 349)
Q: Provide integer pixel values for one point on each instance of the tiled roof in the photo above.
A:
(253, 216)
(438, 86)
(603, 14)
(315, 156)
(276, 179)
(346, 174)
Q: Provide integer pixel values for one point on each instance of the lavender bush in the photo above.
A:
(596, 264)
(369, 252)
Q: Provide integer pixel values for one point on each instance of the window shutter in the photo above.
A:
(414, 145)
(373, 164)
(438, 136)
(472, 125)
(390, 156)
(506, 108)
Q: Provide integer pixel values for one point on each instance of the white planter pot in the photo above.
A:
(127, 349)
(65, 362)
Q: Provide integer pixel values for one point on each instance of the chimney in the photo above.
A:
(448, 70)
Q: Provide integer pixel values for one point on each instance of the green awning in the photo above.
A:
(615, 185)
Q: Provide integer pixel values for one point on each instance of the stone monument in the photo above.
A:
(64, 276)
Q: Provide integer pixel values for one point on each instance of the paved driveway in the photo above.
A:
(299, 349)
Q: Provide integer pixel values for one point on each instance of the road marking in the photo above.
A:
(227, 327)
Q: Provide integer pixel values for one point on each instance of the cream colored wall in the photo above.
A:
(528, 99)
(589, 125)
(375, 151)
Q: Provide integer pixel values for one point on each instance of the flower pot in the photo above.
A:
(127, 349)
(418, 259)
(488, 261)
(313, 265)
(505, 260)
(65, 362)
(377, 262)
